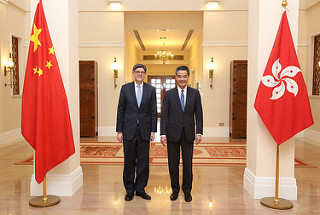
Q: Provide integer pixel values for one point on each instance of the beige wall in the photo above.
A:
(225, 26)
(160, 69)
(130, 57)
(195, 60)
(102, 46)
(12, 24)
(22, 4)
(164, 5)
(313, 27)
(217, 98)
(180, 5)
(3, 58)
(224, 46)
(303, 45)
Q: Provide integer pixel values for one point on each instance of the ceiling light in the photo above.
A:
(212, 5)
(115, 5)
(164, 55)
(162, 29)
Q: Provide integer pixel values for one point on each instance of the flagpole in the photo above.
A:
(276, 202)
(263, 105)
(44, 201)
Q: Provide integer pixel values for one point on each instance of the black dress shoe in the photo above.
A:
(187, 197)
(174, 196)
(144, 195)
(128, 197)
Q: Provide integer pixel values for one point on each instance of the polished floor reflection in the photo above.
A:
(216, 190)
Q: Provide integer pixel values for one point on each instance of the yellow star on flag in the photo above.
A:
(49, 64)
(51, 50)
(40, 72)
(35, 37)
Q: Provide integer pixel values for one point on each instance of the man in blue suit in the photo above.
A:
(136, 127)
(181, 125)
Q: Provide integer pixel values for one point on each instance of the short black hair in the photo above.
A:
(183, 68)
(139, 66)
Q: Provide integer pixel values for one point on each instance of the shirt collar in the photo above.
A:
(179, 89)
(135, 85)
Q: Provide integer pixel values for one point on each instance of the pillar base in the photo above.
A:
(259, 187)
(58, 184)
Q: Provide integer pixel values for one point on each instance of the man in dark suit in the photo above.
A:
(136, 126)
(181, 111)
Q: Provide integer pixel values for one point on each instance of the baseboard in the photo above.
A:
(216, 132)
(312, 136)
(58, 184)
(11, 136)
(107, 131)
(259, 187)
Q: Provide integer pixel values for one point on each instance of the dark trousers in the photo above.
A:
(174, 161)
(136, 163)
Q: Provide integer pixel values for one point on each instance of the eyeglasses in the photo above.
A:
(140, 72)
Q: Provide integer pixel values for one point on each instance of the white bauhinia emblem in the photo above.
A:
(273, 81)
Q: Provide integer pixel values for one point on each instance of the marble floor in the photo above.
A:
(216, 190)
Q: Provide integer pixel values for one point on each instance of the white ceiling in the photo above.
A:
(147, 24)
(152, 41)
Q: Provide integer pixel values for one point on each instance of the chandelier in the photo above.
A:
(164, 55)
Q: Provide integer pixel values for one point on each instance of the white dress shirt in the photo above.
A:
(184, 94)
(136, 89)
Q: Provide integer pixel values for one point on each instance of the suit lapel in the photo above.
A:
(187, 99)
(177, 98)
(144, 93)
(133, 94)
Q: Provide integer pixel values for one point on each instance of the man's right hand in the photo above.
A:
(163, 140)
(120, 136)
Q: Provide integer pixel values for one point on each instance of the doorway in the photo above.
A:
(88, 87)
(162, 84)
(238, 99)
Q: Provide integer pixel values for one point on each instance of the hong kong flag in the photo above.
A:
(282, 99)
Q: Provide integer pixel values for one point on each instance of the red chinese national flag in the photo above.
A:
(45, 122)
(282, 100)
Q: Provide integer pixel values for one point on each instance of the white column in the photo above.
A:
(259, 175)
(62, 19)
(3, 59)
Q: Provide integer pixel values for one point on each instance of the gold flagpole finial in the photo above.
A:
(284, 3)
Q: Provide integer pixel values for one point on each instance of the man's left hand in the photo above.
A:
(198, 139)
(152, 136)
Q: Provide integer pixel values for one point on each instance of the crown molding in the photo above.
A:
(100, 44)
(4, 1)
(225, 44)
(240, 44)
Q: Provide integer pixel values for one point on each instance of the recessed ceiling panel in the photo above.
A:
(174, 38)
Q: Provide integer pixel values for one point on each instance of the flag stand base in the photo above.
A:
(282, 204)
(39, 202)
(44, 201)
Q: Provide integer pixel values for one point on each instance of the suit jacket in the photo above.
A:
(173, 119)
(129, 115)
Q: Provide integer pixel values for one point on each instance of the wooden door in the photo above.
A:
(162, 84)
(88, 98)
(238, 97)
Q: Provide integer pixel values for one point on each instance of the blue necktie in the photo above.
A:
(182, 100)
(139, 95)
